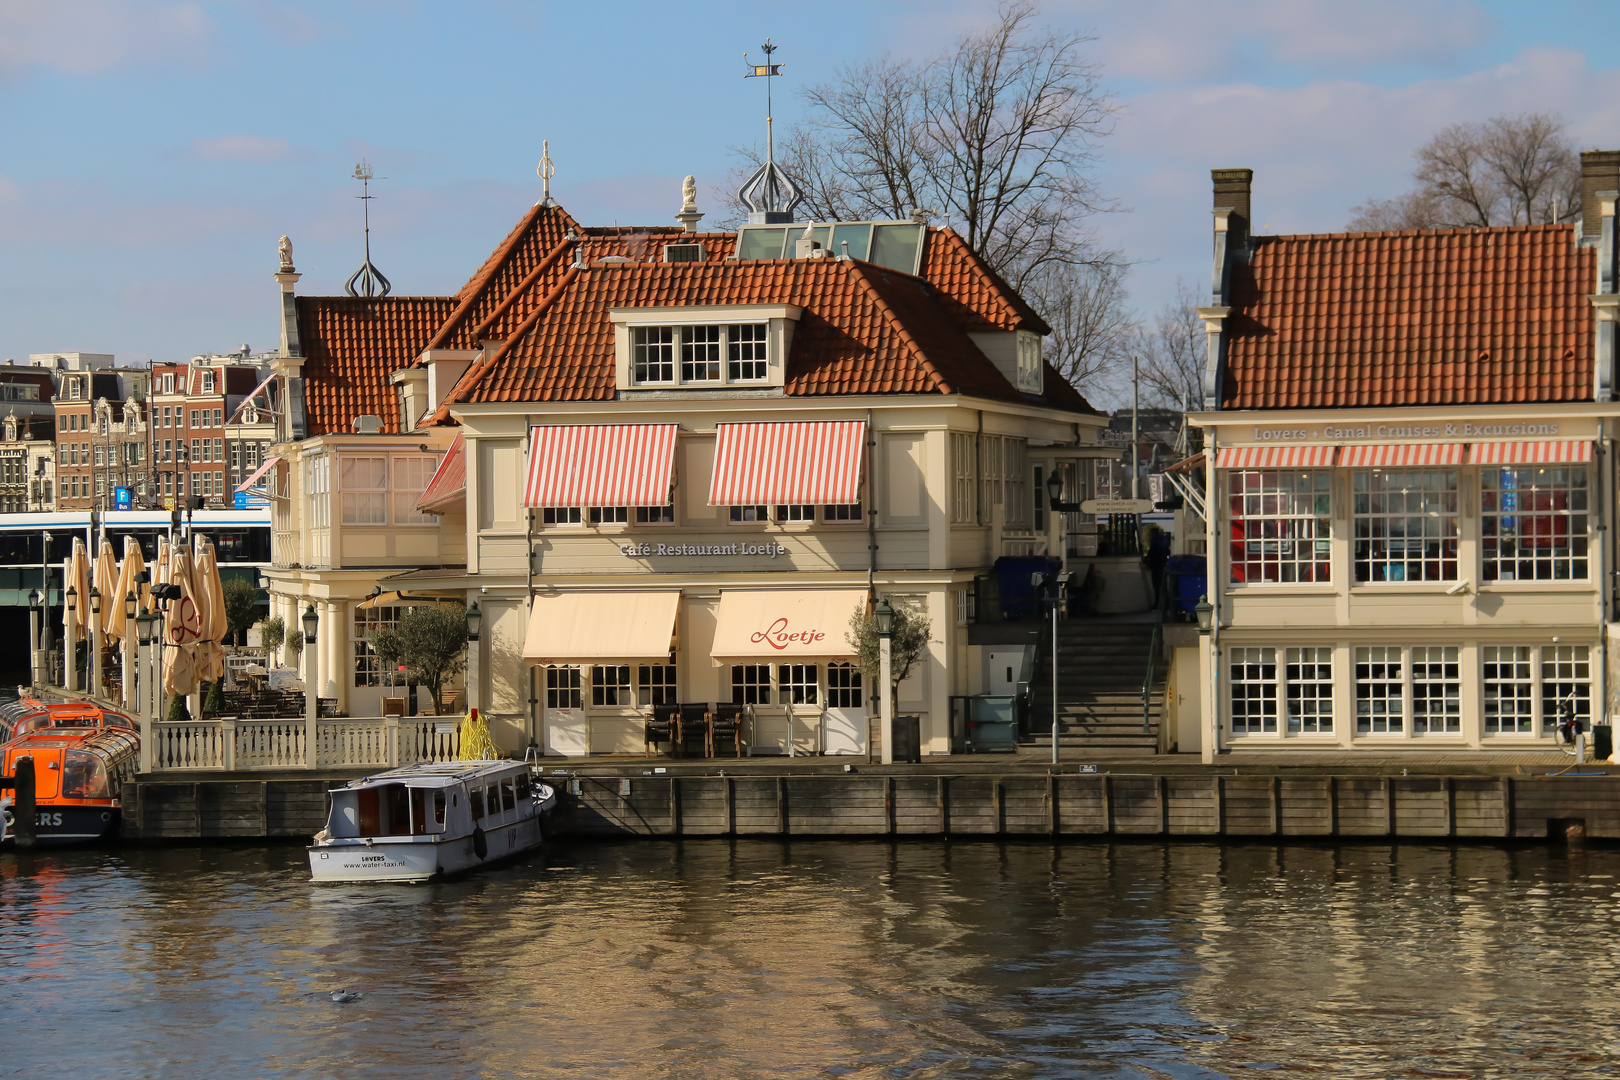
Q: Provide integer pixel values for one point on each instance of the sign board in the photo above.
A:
(121, 498)
(246, 500)
(1117, 506)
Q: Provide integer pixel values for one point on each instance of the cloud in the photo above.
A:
(93, 37)
(238, 148)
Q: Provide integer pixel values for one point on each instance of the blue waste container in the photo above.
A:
(1013, 573)
(1188, 581)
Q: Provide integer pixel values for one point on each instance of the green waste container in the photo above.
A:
(1602, 742)
(908, 739)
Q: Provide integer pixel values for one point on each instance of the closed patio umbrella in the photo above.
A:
(128, 571)
(211, 604)
(106, 583)
(183, 628)
(78, 579)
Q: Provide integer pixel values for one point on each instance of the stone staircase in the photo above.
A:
(1101, 667)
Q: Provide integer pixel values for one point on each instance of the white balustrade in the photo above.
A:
(429, 739)
(343, 744)
(270, 744)
(366, 742)
(197, 744)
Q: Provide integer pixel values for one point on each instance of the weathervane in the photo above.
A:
(367, 281)
(545, 171)
(770, 194)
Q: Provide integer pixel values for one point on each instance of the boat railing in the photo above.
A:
(230, 744)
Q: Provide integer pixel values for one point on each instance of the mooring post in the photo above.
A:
(24, 817)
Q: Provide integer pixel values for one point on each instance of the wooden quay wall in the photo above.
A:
(939, 803)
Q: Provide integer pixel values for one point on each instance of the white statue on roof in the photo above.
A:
(284, 247)
(689, 194)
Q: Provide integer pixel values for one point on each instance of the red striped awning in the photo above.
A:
(1396, 455)
(258, 474)
(601, 465)
(448, 488)
(1549, 452)
(1275, 457)
(817, 461)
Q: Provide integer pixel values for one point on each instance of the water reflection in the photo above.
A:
(757, 959)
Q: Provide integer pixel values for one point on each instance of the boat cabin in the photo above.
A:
(430, 799)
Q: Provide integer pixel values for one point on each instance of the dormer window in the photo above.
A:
(208, 382)
(678, 349)
(1029, 362)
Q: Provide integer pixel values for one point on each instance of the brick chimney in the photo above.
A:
(1232, 192)
(1600, 171)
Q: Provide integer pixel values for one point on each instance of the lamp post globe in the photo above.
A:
(95, 600)
(883, 613)
(475, 620)
(1205, 612)
(311, 624)
(72, 600)
(1054, 489)
(129, 606)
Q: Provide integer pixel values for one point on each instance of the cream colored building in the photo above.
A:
(669, 466)
(1409, 442)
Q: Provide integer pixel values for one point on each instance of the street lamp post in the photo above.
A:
(1204, 612)
(144, 708)
(95, 641)
(311, 625)
(128, 649)
(34, 639)
(475, 621)
(1059, 584)
(70, 650)
(883, 613)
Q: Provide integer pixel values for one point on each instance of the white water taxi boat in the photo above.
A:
(426, 820)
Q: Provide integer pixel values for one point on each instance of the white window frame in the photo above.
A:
(1030, 368)
(964, 479)
(778, 320)
(1575, 519)
(1387, 502)
(1296, 526)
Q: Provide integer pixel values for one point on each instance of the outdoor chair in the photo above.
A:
(726, 724)
(692, 726)
(660, 726)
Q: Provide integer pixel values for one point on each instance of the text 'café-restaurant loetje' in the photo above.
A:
(1409, 450)
(669, 465)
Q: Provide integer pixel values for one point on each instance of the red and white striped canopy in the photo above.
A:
(449, 484)
(258, 474)
(601, 465)
(1396, 455)
(1530, 453)
(816, 461)
(1275, 457)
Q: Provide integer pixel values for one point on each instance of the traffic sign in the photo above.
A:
(121, 499)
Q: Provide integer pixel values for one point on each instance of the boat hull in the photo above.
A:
(56, 824)
(386, 859)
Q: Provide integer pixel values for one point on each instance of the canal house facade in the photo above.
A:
(669, 466)
(1409, 455)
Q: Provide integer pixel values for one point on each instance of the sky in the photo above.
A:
(152, 152)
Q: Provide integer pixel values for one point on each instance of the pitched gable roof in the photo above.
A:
(1466, 316)
(352, 345)
(978, 296)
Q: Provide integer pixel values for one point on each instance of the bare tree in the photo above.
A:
(1170, 354)
(1092, 331)
(999, 137)
(1509, 170)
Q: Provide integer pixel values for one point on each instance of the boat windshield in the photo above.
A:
(387, 810)
(84, 776)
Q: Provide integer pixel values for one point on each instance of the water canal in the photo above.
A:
(717, 959)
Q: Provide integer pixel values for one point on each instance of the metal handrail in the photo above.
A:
(1154, 645)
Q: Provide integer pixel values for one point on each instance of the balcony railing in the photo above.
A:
(254, 745)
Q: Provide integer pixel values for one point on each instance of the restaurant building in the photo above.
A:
(1409, 455)
(670, 466)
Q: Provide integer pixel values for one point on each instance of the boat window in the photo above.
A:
(418, 810)
(438, 809)
(84, 776)
(345, 817)
(522, 787)
(475, 800)
(399, 810)
(369, 801)
(508, 793)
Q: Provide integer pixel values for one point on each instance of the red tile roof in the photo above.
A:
(1466, 316)
(973, 292)
(351, 346)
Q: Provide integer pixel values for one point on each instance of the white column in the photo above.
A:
(128, 650)
(311, 680)
(886, 701)
(95, 652)
(475, 685)
(34, 666)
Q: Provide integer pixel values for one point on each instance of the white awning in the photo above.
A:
(579, 626)
(784, 624)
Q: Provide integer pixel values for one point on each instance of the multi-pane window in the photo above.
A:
(989, 473)
(1436, 690)
(559, 515)
(797, 683)
(964, 480)
(1566, 685)
(749, 513)
(1380, 690)
(563, 688)
(1019, 510)
(1405, 524)
(609, 515)
(1309, 678)
(700, 354)
(655, 515)
(1254, 691)
(745, 352)
(750, 684)
(363, 482)
(610, 685)
(841, 512)
(1533, 523)
(1029, 362)
(656, 684)
(796, 512)
(843, 686)
(409, 478)
(1281, 525)
(652, 351)
(1509, 689)
(368, 669)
